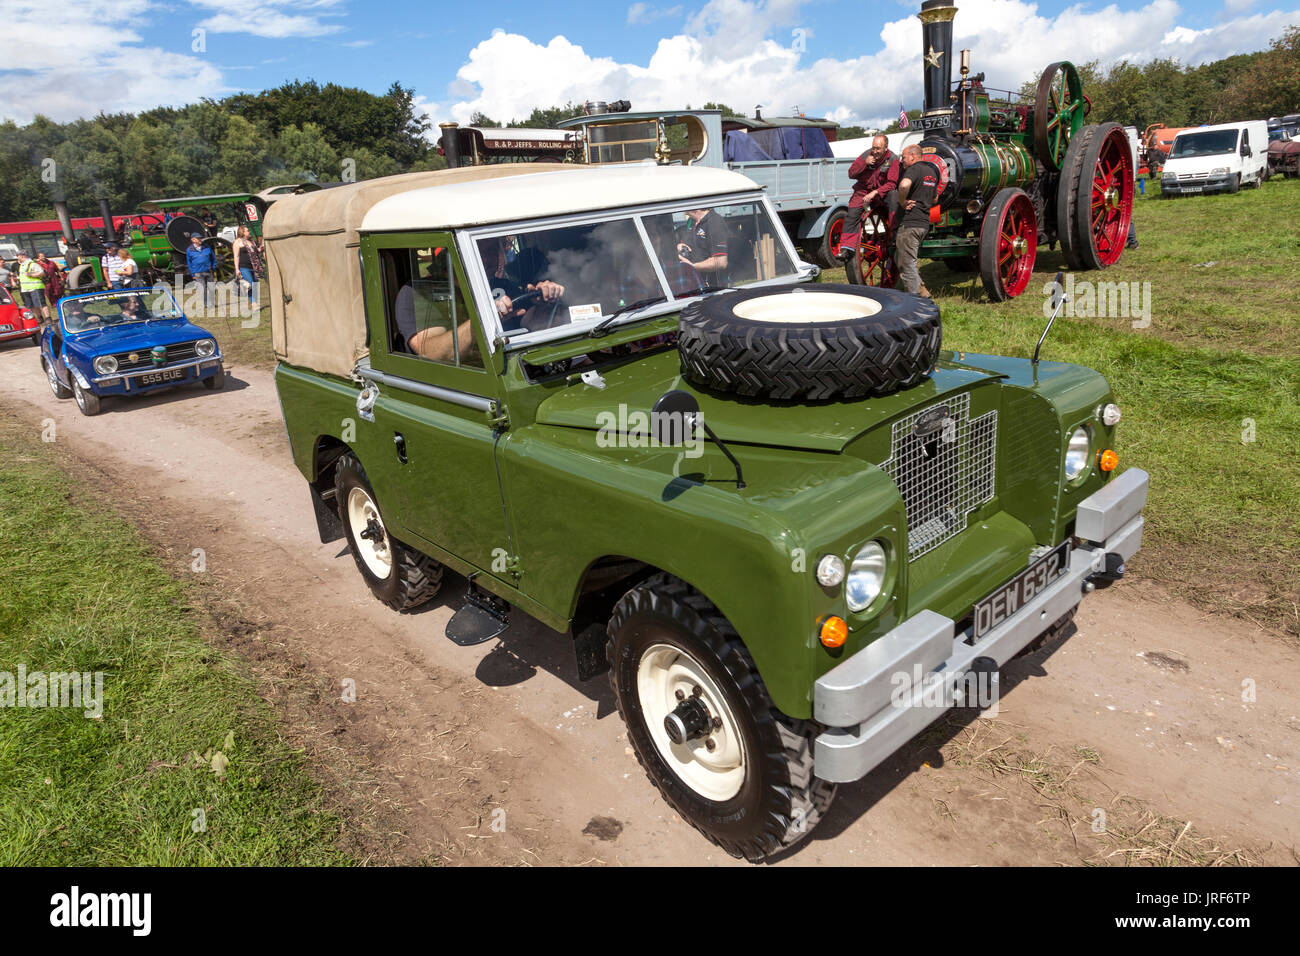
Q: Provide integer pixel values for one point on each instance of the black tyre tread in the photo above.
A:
(813, 363)
(1084, 246)
(418, 576)
(1066, 192)
(789, 812)
(63, 390)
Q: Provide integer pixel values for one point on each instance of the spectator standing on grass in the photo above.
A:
(53, 277)
(202, 264)
(6, 277)
(248, 260)
(31, 281)
(918, 190)
(129, 275)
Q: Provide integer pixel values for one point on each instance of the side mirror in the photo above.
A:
(1246, 151)
(672, 419)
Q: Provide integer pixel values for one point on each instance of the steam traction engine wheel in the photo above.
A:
(873, 263)
(1058, 113)
(1103, 205)
(1008, 244)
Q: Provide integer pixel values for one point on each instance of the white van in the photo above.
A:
(1219, 158)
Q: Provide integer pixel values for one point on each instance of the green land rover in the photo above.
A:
(792, 530)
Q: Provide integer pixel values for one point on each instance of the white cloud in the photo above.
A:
(91, 60)
(739, 52)
(274, 19)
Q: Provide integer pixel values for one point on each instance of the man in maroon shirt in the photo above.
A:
(875, 174)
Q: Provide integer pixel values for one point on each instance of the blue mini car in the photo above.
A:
(125, 342)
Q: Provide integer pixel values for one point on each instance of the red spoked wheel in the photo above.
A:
(873, 263)
(1008, 244)
(1104, 203)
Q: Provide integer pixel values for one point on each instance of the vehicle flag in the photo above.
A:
(903, 121)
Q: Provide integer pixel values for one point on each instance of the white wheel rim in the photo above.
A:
(53, 376)
(376, 554)
(80, 395)
(716, 774)
(803, 308)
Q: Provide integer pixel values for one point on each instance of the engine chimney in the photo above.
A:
(936, 48)
(65, 221)
(110, 232)
(449, 139)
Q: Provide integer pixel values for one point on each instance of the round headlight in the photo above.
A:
(204, 347)
(1077, 454)
(105, 365)
(830, 570)
(866, 576)
(1110, 415)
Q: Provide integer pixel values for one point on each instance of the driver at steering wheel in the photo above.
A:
(519, 305)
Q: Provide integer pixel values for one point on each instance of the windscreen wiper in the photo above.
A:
(601, 327)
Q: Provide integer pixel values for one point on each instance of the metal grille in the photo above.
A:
(144, 359)
(943, 464)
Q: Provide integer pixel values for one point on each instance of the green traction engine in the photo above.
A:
(1016, 174)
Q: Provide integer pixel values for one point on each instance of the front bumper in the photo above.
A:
(867, 719)
(128, 383)
(1208, 184)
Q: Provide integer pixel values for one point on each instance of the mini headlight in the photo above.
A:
(1077, 454)
(105, 365)
(830, 570)
(1110, 415)
(866, 576)
(204, 347)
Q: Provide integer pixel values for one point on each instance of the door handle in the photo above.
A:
(399, 442)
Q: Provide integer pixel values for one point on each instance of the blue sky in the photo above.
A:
(503, 58)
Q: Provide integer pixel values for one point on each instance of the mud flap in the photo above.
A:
(328, 523)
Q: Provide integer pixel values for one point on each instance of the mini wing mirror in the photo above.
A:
(672, 418)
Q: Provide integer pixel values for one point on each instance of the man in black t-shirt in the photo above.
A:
(705, 247)
(918, 190)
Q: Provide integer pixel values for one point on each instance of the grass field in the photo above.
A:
(83, 593)
(1210, 390)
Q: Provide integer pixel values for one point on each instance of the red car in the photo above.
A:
(16, 320)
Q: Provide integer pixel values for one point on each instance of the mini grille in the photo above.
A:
(144, 358)
(943, 464)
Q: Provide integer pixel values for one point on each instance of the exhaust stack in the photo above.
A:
(936, 48)
(110, 233)
(65, 221)
(450, 142)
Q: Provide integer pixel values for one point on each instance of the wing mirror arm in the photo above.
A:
(1059, 298)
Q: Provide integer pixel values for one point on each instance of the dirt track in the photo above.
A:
(1139, 713)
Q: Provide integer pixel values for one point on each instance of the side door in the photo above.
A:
(437, 394)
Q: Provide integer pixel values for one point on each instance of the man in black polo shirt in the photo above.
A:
(705, 247)
(918, 190)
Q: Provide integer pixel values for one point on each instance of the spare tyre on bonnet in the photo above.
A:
(614, 399)
(815, 342)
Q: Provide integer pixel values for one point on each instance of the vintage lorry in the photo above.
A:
(790, 528)
(791, 157)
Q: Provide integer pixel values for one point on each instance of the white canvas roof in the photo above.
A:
(317, 307)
